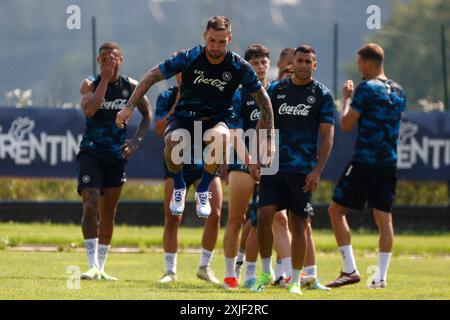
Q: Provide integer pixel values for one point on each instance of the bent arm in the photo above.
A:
(149, 79)
(92, 98)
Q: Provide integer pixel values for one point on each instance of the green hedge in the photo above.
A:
(408, 193)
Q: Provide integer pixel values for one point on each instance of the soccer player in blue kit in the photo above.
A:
(303, 108)
(242, 185)
(192, 173)
(377, 106)
(104, 153)
(210, 76)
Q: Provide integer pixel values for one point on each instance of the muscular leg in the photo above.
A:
(310, 258)
(212, 223)
(386, 240)
(282, 243)
(240, 187)
(299, 242)
(171, 140)
(89, 221)
(170, 235)
(265, 236)
(339, 224)
(385, 229)
(171, 222)
(342, 234)
(108, 207)
(216, 139)
(210, 233)
(89, 227)
(281, 235)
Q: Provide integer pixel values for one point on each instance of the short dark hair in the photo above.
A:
(286, 52)
(109, 45)
(304, 48)
(256, 51)
(219, 23)
(372, 51)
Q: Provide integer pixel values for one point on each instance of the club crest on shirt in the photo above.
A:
(311, 99)
(226, 76)
(125, 93)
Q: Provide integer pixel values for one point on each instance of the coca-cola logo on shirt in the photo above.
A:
(117, 104)
(298, 110)
(212, 82)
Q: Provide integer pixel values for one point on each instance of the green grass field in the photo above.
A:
(419, 269)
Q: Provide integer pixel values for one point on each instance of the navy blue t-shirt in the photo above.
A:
(380, 104)
(207, 89)
(102, 136)
(245, 116)
(164, 102)
(245, 111)
(299, 110)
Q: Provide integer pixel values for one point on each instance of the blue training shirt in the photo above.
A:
(380, 104)
(207, 89)
(299, 110)
(102, 136)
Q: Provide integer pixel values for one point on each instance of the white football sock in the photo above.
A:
(287, 266)
(230, 265)
(205, 257)
(91, 246)
(170, 259)
(279, 270)
(296, 276)
(250, 270)
(349, 259)
(383, 264)
(311, 271)
(102, 254)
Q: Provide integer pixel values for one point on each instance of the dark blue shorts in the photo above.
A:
(285, 190)
(362, 183)
(99, 172)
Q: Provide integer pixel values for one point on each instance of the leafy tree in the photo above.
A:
(412, 43)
